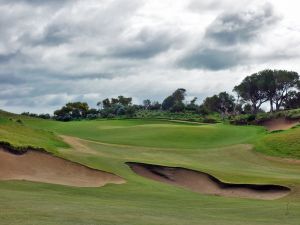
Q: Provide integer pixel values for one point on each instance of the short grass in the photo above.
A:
(154, 133)
(141, 201)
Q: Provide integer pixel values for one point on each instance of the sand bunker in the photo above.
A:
(280, 124)
(42, 167)
(204, 183)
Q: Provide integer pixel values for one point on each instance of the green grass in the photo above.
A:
(221, 150)
(19, 135)
(282, 144)
(153, 133)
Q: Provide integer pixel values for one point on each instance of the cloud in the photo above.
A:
(5, 58)
(227, 37)
(212, 59)
(36, 2)
(54, 35)
(146, 44)
(241, 27)
(56, 51)
(216, 5)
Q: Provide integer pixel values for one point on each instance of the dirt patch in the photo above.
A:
(204, 183)
(280, 124)
(76, 144)
(42, 167)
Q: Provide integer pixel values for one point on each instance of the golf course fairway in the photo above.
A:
(233, 154)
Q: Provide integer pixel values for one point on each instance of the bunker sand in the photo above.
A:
(42, 167)
(280, 124)
(204, 183)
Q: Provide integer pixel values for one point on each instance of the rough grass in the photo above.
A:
(142, 201)
(282, 144)
(13, 131)
(293, 114)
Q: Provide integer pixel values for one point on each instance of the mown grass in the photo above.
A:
(153, 133)
(282, 144)
(142, 201)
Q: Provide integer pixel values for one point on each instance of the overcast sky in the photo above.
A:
(52, 52)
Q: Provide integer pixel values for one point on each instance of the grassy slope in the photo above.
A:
(282, 144)
(19, 135)
(141, 201)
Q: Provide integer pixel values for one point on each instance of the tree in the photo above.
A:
(222, 103)
(210, 104)
(168, 103)
(292, 100)
(193, 101)
(226, 103)
(146, 104)
(267, 85)
(179, 95)
(285, 82)
(192, 105)
(252, 90)
(100, 105)
(117, 107)
(114, 101)
(177, 107)
(72, 110)
(78, 108)
(247, 108)
(124, 101)
(106, 103)
(155, 105)
(175, 100)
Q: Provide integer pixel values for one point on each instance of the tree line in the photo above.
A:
(277, 88)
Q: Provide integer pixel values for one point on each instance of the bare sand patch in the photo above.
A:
(204, 183)
(280, 124)
(42, 167)
(77, 144)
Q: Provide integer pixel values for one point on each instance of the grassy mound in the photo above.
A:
(282, 144)
(19, 136)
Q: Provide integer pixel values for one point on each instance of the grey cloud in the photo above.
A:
(55, 35)
(241, 27)
(226, 38)
(36, 2)
(196, 5)
(216, 5)
(9, 79)
(146, 44)
(5, 58)
(212, 59)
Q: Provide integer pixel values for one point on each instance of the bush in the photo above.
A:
(293, 114)
(209, 120)
(19, 121)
